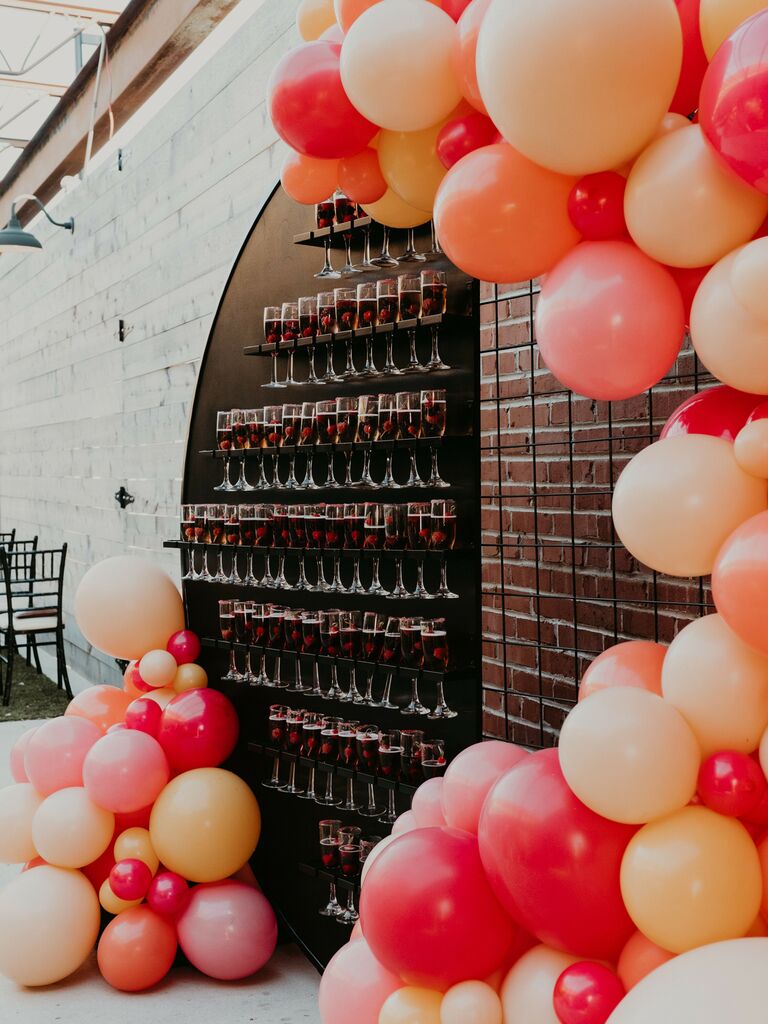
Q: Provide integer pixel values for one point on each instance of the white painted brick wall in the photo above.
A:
(80, 413)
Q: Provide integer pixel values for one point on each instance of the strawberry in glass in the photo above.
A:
(291, 424)
(224, 431)
(315, 526)
(346, 419)
(388, 423)
(273, 425)
(419, 525)
(263, 523)
(433, 407)
(434, 292)
(307, 427)
(409, 413)
(346, 308)
(308, 318)
(386, 300)
(344, 208)
(367, 417)
(410, 641)
(188, 522)
(326, 422)
(297, 534)
(248, 525)
(232, 527)
(443, 525)
(390, 651)
(334, 526)
(367, 306)
(215, 519)
(349, 631)
(409, 297)
(434, 639)
(325, 213)
(326, 312)
(354, 526)
(280, 533)
(310, 633)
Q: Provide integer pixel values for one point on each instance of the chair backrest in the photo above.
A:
(7, 539)
(21, 568)
(33, 577)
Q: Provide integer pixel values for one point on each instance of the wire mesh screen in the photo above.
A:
(558, 587)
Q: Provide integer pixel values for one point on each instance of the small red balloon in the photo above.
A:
(695, 63)
(185, 646)
(98, 870)
(720, 411)
(144, 715)
(455, 8)
(732, 784)
(587, 993)
(596, 206)
(134, 676)
(129, 879)
(688, 280)
(198, 730)
(760, 413)
(133, 819)
(168, 893)
(464, 135)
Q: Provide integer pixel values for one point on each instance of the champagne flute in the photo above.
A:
(434, 301)
(308, 440)
(409, 424)
(290, 333)
(367, 316)
(308, 328)
(409, 302)
(443, 539)
(290, 438)
(273, 331)
(394, 540)
(325, 217)
(346, 320)
(224, 444)
(373, 541)
(388, 313)
(345, 210)
(433, 421)
(367, 432)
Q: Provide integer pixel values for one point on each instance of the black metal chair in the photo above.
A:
(21, 569)
(7, 539)
(33, 584)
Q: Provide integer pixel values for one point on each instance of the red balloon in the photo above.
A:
(596, 206)
(733, 107)
(133, 819)
(309, 107)
(168, 893)
(720, 411)
(587, 993)
(760, 413)
(464, 135)
(732, 784)
(133, 675)
(553, 863)
(145, 715)
(686, 98)
(98, 870)
(445, 925)
(688, 280)
(129, 879)
(199, 730)
(185, 646)
(455, 8)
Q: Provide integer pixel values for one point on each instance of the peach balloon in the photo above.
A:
(103, 705)
(691, 879)
(668, 506)
(18, 750)
(410, 165)
(111, 903)
(189, 677)
(427, 804)
(751, 448)
(471, 1001)
(471, 775)
(49, 922)
(308, 179)
(162, 696)
(465, 52)
(394, 212)
(740, 579)
(629, 755)
(18, 805)
(749, 270)
(579, 87)
(135, 843)
(158, 668)
(670, 123)
(718, 684)
(631, 663)
(411, 1005)
(683, 207)
(55, 754)
(639, 957)
(526, 993)
(501, 218)
(718, 19)
(397, 65)
(312, 19)
(126, 606)
(70, 830)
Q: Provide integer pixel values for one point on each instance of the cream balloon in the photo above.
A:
(668, 506)
(70, 830)
(18, 805)
(719, 18)
(471, 1001)
(397, 65)
(749, 272)
(162, 696)
(410, 1005)
(526, 992)
(718, 684)
(394, 212)
(579, 87)
(629, 756)
(410, 165)
(751, 448)
(158, 668)
(313, 18)
(49, 923)
(683, 207)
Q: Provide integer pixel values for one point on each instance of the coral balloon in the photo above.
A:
(312, 19)
(610, 321)
(411, 1005)
(465, 52)
(552, 862)
(427, 804)
(721, 18)
(55, 754)
(596, 206)
(190, 677)
(739, 579)
(446, 927)
(527, 991)
(130, 879)
(668, 509)
(157, 668)
(718, 684)
(597, 78)
(199, 730)
(394, 212)
(185, 645)
(132, 681)
(732, 784)
(409, 45)
(228, 930)
(18, 750)
(205, 824)
(471, 1001)
(360, 176)
(309, 180)
(168, 893)
(126, 606)
(639, 957)
(691, 879)
(348, 11)
(105, 706)
(686, 98)
(411, 166)
(464, 135)
(135, 843)
(70, 830)
(720, 411)
(683, 207)
(144, 715)
(501, 218)
(629, 756)
(18, 805)
(587, 993)
(631, 663)
(455, 8)
(49, 921)
(136, 950)
(470, 777)
(309, 107)
(354, 986)
(125, 771)
(111, 903)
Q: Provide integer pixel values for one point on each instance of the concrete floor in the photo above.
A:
(285, 992)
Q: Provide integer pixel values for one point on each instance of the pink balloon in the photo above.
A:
(129, 879)
(144, 715)
(198, 730)
(125, 771)
(54, 756)
(355, 986)
(445, 926)
(168, 893)
(185, 646)
(18, 750)
(228, 930)
(610, 320)
(427, 804)
(406, 822)
(471, 776)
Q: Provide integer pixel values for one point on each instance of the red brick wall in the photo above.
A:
(558, 588)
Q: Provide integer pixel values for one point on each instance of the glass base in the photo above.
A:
(414, 708)
(442, 711)
(385, 261)
(332, 910)
(370, 812)
(412, 257)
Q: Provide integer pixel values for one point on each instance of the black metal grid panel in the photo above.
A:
(558, 587)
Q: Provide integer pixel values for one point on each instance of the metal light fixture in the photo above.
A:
(13, 237)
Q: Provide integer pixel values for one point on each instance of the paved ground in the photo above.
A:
(285, 992)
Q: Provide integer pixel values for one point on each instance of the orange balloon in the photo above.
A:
(348, 11)
(128, 684)
(632, 663)
(762, 852)
(102, 705)
(740, 582)
(314, 17)
(136, 950)
(308, 179)
(501, 218)
(360, 176)
(189, 677)
(465, 54)
(639, 957)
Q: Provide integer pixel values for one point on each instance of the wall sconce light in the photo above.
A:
(13, 237)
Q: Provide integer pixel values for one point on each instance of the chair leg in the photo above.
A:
(61, 664)
(36, 654)
(9, 676)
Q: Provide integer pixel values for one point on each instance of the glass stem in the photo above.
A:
(368, 698)
(327, 266)
(312, 377)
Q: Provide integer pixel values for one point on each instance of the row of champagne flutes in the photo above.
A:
(318, 529)
(343, 848)
(369, 304)
(412, 642)
(404, 415)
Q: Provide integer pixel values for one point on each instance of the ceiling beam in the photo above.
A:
(84, 11)
(14, 143)
(51, 88)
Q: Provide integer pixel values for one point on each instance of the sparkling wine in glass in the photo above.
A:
(325, 217)
(409, 423)
(388, 313)
(443, 539)
(409, 305)
(290, 334)
(326, 434)
(346, 319)
(434, 301)
(273, 331)
(373, 541)
(346, 211)
(327, 326)
(367, 432)
(368, 316)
